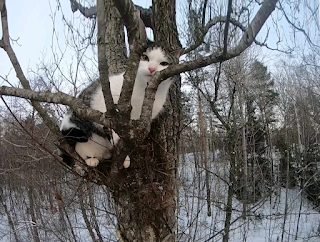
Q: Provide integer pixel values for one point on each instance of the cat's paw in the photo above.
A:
(126, 162)
(92, 161)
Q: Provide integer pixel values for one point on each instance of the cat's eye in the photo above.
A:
(145, 58)
(164, 63)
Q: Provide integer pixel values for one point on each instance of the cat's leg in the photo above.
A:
(97, 148)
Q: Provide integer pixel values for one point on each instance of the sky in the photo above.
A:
(29, 24)
(38, 31)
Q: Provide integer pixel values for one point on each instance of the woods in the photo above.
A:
(237, 136)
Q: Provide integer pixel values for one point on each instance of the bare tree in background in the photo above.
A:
(144, 195)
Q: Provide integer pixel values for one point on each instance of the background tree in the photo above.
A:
(144, 197)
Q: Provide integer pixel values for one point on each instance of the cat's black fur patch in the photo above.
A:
(75, 135)
(67, 159)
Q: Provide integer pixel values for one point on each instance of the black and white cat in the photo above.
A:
(89, 141)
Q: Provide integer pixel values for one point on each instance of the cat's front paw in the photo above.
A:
(126, 162)
(92, 161)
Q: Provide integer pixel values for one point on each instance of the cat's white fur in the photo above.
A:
(156, 56)
(66, 123)
(98, 147)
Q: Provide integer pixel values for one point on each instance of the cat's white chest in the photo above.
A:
(97, 100)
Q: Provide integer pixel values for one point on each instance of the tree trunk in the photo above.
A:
(244, 155)
(231, 151)
(145, 194)
(10, 221)
(204, 145)
(84, 214)
(93, 214)
(34, 228)
(114, 41)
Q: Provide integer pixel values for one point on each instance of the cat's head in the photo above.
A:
(154, 59)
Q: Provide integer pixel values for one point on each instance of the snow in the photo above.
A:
(264, 221)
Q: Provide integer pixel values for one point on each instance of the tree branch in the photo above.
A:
(297, 27)
(226, 28)
(102, 59)
(145, 13)
(87, 12)
(5, 44)
(138, 44)
(80, 109)
(247, 39)
(204, 12)
(253, 29)
(131, 18)
(208, 26)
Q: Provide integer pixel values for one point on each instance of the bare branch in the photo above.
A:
(102, 59)
(255, 26)
(87, 12)
(131, 19)
(5, 44)
(267, 5)
(145, 13)
(80, 109)
(247, 39)
(208, 26)
(204, 12)
(63, 145)
(297, 27)
(226, 28)
(146, 112)
(137, 40)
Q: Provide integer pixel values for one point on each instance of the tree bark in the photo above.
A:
(114, 43)
(84, 215)
(145, 194)
(10, 221)
(204, 145)
(34, 228)
(231, 150)
(244, 154)
(93, 214)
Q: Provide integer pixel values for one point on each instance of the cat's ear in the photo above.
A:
(177, 53)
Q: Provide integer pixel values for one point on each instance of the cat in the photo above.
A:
(93, 142)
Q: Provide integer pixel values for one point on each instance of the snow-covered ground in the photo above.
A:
(264, 221)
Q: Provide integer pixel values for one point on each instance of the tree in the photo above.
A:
(145, 195)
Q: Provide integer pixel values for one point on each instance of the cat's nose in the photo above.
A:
(152, 70)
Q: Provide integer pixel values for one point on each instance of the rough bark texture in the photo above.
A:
(34, 228)
(114, 39)
(231, 150)
(145, 193)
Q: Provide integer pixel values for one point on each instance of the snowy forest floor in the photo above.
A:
(264, 220)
